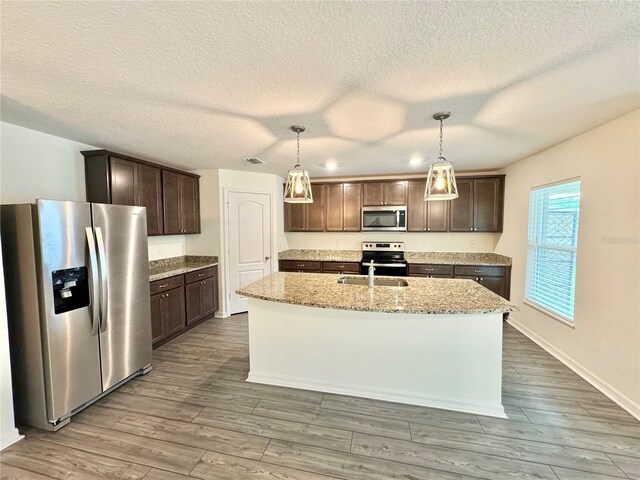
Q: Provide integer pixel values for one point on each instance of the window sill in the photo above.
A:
(555, 316)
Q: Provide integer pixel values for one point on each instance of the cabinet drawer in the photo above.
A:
(199, 274)
(479, 270)
(430, 269)
(300, 265)
(161, 286)
(351, 267)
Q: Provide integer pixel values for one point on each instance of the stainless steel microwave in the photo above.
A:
(392, 219)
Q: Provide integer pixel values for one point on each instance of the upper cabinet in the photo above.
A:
(343, 202)
(337, 206)
(479, 208)
(425, 216)
(173, 205)
(180, 195)
(392, 193)
(306, 217)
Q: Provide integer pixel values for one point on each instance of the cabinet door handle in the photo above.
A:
(266, 259)
(201, 274)
(163, 286)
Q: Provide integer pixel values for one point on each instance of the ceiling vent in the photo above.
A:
(255, 161)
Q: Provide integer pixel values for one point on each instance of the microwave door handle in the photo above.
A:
(95, 288)
(397, 218)
(104, 275)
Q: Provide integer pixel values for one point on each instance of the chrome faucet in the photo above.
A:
(371, 270)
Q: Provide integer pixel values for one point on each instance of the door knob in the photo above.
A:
(267, 259)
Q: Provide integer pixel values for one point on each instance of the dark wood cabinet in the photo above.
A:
(495, 278)
(392, 193)
(201, 295)
(461, 216)
(157, 327)
(303, 266)
(173, 314)
(181, 199)
(430, 270)
(425, 216)
(181, 302)
(488, 196)
(150, 195)
(479, 207)
(307, 217)
(167, 314)
(338, 207)
(300, 266)
(342, 207)
(123, 180)
(352, 268)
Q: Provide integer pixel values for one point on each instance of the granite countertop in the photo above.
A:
(170, 267)
(444, 258)
(458, 258)
(422, 296)
(321, 255)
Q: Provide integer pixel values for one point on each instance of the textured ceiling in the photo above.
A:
(207, 84)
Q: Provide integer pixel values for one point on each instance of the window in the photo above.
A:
(551, 248)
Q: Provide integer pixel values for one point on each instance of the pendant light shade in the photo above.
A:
(441, 179)
(298, 187)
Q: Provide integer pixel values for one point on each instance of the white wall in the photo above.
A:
(415, 242)
(604, 346)
(8, 431)
(38, 165)
(213, 185)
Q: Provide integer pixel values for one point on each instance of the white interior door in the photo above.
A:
(249, 243)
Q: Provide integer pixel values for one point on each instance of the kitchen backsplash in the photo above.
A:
(415, 242)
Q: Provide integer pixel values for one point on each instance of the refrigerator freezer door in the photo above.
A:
(125, 328)
(71, 352)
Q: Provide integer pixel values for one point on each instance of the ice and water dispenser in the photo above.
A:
(70, 289)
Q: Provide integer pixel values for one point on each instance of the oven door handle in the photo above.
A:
(396, 265)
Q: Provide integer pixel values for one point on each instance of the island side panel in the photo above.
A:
(442, 361)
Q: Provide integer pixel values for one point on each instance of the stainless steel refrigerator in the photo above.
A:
(77, 287)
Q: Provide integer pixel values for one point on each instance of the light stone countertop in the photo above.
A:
(170, 267)
(458, 258)
(442, 258)
(422, 296)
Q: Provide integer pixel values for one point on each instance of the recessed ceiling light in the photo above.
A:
(415, 161)
(331, 165)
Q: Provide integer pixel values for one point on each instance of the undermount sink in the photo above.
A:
(378, 282)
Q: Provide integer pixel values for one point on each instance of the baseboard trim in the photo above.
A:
(411, 398)
(619, 398)
(9, 438)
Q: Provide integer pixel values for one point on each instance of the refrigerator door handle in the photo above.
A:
(104, 275)
(95, 288)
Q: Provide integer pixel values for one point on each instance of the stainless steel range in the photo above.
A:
(388, 258)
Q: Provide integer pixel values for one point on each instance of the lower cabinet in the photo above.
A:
(302, 266)
(179, 302)
(201, 293)
(495, 278)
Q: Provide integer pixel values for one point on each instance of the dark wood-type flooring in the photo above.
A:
(194, 416)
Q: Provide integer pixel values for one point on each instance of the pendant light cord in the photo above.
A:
(441, 139)
(298, 139)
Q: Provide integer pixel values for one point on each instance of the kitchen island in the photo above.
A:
(435, 342)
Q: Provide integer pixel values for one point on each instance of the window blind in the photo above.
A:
(552, 246)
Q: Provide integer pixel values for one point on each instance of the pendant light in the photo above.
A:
(298, 187)
(441, 181)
